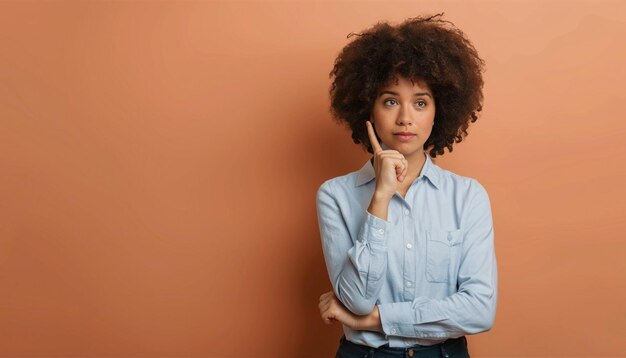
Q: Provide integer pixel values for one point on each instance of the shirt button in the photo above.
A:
(393, 331)
(408, 284)
(406, 211)
(408, 246)
(381, 231)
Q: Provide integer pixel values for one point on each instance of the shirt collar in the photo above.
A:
(429, 170)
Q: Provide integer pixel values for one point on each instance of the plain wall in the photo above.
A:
(159, 164)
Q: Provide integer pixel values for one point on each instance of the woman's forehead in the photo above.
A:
(399, 81)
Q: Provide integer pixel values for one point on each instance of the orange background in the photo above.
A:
(160, 163)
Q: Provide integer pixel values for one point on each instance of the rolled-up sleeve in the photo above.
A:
(472, 308)
(355, 266)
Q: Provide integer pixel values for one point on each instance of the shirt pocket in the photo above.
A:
(442, 248)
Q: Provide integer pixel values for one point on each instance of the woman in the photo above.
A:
(409, 246)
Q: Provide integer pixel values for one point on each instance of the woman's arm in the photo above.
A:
(355, 266)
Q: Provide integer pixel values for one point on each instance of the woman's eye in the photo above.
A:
(393, 102)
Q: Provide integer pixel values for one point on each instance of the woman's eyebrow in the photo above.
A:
(397, 94)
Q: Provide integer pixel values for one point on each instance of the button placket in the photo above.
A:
(409, 254)
(407, 212)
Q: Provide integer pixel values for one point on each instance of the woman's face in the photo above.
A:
(404, 107)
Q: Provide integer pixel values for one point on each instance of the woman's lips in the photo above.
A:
(404, 137)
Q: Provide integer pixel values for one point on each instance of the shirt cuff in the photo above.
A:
(375, 231)
(397, 318)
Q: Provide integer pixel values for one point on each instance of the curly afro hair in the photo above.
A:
(422, 49)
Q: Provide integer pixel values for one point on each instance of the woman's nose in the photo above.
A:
(404, 116)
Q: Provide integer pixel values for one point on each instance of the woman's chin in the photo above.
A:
(409, 153)
(404, 148)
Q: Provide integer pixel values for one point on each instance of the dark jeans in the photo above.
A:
(451, 348)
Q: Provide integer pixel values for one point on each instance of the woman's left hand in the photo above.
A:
(333, 310)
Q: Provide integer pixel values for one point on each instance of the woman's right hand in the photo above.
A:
(390, 165)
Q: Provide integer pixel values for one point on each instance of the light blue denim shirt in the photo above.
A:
(430, 267)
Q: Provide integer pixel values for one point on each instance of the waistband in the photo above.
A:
(414, 348)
